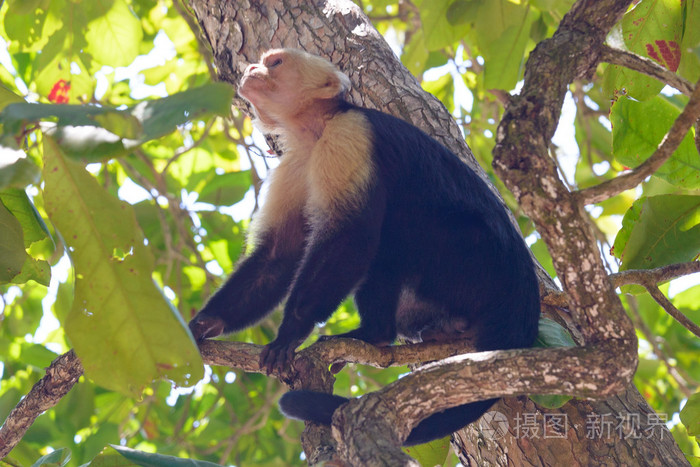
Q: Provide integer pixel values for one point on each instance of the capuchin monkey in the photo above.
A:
(365, 203)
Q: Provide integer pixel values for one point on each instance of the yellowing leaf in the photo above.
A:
(122, 328)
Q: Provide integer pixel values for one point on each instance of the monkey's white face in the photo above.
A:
(272, 87)
(287, 84)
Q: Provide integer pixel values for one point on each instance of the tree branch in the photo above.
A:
(669, 144)
(398, 407)
(60, 377)
(646, 66)
(522, 161)
(244, 356)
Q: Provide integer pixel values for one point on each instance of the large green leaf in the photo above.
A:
(636, 136)
(123, 329)
(659, 230)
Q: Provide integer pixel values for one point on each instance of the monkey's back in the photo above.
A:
(449, 237)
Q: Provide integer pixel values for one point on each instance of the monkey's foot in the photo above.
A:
(278, 357)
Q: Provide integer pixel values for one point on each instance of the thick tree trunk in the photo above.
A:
(617, 431)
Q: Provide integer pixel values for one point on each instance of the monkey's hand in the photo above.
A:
(205, 326)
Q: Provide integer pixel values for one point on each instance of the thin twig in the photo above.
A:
(655, 276)
(669, 144)
(646, 66)
(671, 309)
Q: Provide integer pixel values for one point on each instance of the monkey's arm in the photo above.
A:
(259, 283)
(332, 266)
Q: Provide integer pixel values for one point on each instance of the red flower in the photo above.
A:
(59, 92)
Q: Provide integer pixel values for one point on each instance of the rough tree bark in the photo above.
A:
(239, 31)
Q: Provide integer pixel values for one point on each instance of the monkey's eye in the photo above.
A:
(275, 62)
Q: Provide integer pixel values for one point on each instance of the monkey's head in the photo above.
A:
(288, 82)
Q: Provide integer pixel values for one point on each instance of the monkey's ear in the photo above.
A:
(336, 84)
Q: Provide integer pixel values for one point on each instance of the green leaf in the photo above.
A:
(120, 325)
(18, 174)
(432, 453)
(462, 12)
(659, 230)
(552, 334)
(439, 31)
(690, 415)
(652, 29)
(35, 231)
(636, 136)
(12, 254)
(34, 269)
(114, 37)
(8, 97)
(415, 54)
(121, 124)
(226, 189)
(15, 116)
(550, 401)
(147, 459)
(23, 209)
(57, 458)
(539, 248)
(161, 116)
(36, 355)
(503, 33)
(95, 133)
(443, 88)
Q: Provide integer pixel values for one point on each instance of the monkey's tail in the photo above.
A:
(318, 407)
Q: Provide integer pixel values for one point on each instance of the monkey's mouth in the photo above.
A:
(249, 84)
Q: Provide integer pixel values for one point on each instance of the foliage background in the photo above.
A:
(191, 191)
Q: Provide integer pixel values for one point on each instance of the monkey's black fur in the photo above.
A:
(430, 254)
